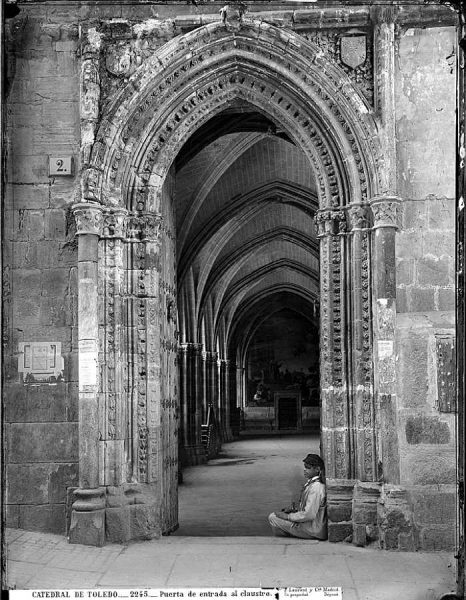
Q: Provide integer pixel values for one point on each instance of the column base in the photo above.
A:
(115, 515)
(88, 517)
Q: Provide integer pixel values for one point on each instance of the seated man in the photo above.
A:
(310, 520)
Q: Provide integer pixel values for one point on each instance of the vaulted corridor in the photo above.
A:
(233, 494)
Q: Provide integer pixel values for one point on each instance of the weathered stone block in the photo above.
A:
(12, 516)
(433, 272)
(29, 224)
(441, 213)
(87, 528)
(55, 283)
(30, 196)
(27, 283)
(117, 524)
(394, 517)
(446, 299)
(420, 300)
(144, 522)
(39, 442)
(49, 518)
(401, 300)
(414, 216)
(61, 478)
(339, 532)
(409, 245)
(359, 535)
(413, 370)
(405, 272)
(339, 511)
(27, 484)
(53, 312)
(365, 513)
(430, 467)
(436, 538)
(435, 508)
(340, 489)
(424, 429)
(440, 244)
(55, 224)
(407, 542)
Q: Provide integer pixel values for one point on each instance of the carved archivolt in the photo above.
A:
(197, 75)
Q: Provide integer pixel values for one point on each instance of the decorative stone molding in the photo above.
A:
(88, 218)
(260, 50)
(358, 216)
(114, 222)
(330, 222)
(90, 91)
(386, 211)
(144, 227)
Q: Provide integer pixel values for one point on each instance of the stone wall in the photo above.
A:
(40, 274)
(424, 504)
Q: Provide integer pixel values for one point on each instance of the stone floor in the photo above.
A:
(223, 540)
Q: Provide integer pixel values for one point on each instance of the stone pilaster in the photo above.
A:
(385, 218)
(114, 409)
(336, 439)
(361, 389)
(88, 510)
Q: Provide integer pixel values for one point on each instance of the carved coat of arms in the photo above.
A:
(353, 50)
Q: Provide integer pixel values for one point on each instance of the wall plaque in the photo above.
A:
(60, 165)
(40, 362)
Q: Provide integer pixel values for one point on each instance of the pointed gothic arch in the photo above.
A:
(128, 153)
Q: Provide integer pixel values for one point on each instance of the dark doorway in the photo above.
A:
(287, 413)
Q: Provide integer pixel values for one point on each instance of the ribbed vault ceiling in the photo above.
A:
(245, 201)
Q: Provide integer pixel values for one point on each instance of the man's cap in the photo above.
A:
(313, 460)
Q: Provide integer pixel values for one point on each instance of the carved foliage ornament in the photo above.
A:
(386, 211)
(178, 74)
(330, 222)
(88, 219)
(144, 227)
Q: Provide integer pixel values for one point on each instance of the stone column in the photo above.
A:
(213, 362)
(190, 388)
(222, 398)
(114, 410)
(232, 399)
(88, 510)
(335, 426)
(205, 385)
(385, 209)
(362, 408)
(227, 396)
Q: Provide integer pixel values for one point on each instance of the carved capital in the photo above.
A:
(114, 221)
(88, 218)
(358, 216)
(190, 348)
(209, 357)
(144, 227)
(385, 210)
(330, 222)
